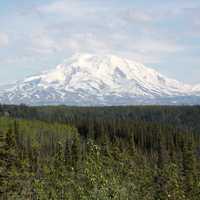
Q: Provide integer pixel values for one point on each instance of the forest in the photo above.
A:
(99, 153)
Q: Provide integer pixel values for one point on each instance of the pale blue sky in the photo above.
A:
(37, 35)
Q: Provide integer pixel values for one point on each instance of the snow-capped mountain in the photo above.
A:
(86, 79)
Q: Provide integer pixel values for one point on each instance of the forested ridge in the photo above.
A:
(59, 152)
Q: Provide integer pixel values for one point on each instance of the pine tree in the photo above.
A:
(2, 163)
(16, 133)
(189, 168)
(10, 165)
(75, 151)
(59, 172)
(67, 152)
(35, 158)
(160, 179)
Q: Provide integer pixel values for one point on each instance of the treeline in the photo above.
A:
(185, 117)
(105, 153)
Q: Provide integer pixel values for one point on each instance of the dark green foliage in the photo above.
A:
(10, 164)
(149, 153)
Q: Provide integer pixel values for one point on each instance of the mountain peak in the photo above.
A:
(105, 65)
(86, 59)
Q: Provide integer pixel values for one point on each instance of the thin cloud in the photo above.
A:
(149, 33)
(134, 15)
(68, 8)
(43, 44)
(4, 40)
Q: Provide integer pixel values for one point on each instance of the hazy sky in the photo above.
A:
(36, 35)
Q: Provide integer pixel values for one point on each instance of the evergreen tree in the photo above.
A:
(189, 169)
(10, 165)
(67, 152)
(160, 179)
(75, 150)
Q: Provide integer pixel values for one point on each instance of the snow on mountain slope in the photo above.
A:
(86, 79)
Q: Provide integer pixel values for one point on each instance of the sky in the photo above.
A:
(37, 35)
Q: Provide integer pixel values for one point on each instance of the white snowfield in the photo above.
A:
(92, 80)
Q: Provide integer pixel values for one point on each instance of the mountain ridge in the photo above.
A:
(87, 79)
